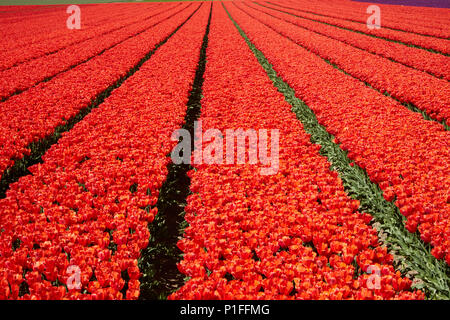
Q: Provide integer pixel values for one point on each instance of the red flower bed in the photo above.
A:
(27, 74)
(89, 203)
(406, 155)
(432, 96)
(420, 20)
(438, 44)
(292, 235)
(34, 114)
(436, 64)
(34, 36)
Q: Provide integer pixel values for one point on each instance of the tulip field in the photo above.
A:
(93, 206)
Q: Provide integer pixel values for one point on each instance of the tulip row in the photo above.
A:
(407, 156)
(16, 13)
(22, 20)
(432, 96)
(34, 114)
(42, 44)
(413, 254)
(435, 19)
(19, 27)
(425, 21)
(74, 229)
(435, 64)
(437, 44)
(27, 74)
(292, 235)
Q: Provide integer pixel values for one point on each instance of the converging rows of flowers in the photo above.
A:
(334, 17)
(292, 235)
(432, 95)
(87, 207)
(436, 64)
(406, 155)
(35, 113)
(38, 33)
(29, 73)
(421, 20)
(23, 22)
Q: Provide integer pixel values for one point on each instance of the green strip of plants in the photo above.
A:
(434, 274)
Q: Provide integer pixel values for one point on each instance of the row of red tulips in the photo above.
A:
(436, 64)
(40, 37)
(34, 114)
(250, 235)
(432, 96)
(21, 25)
(406, 155)
(86, 209)
(426, 21)
(29, 73)
(16, 13)
(427, 42)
